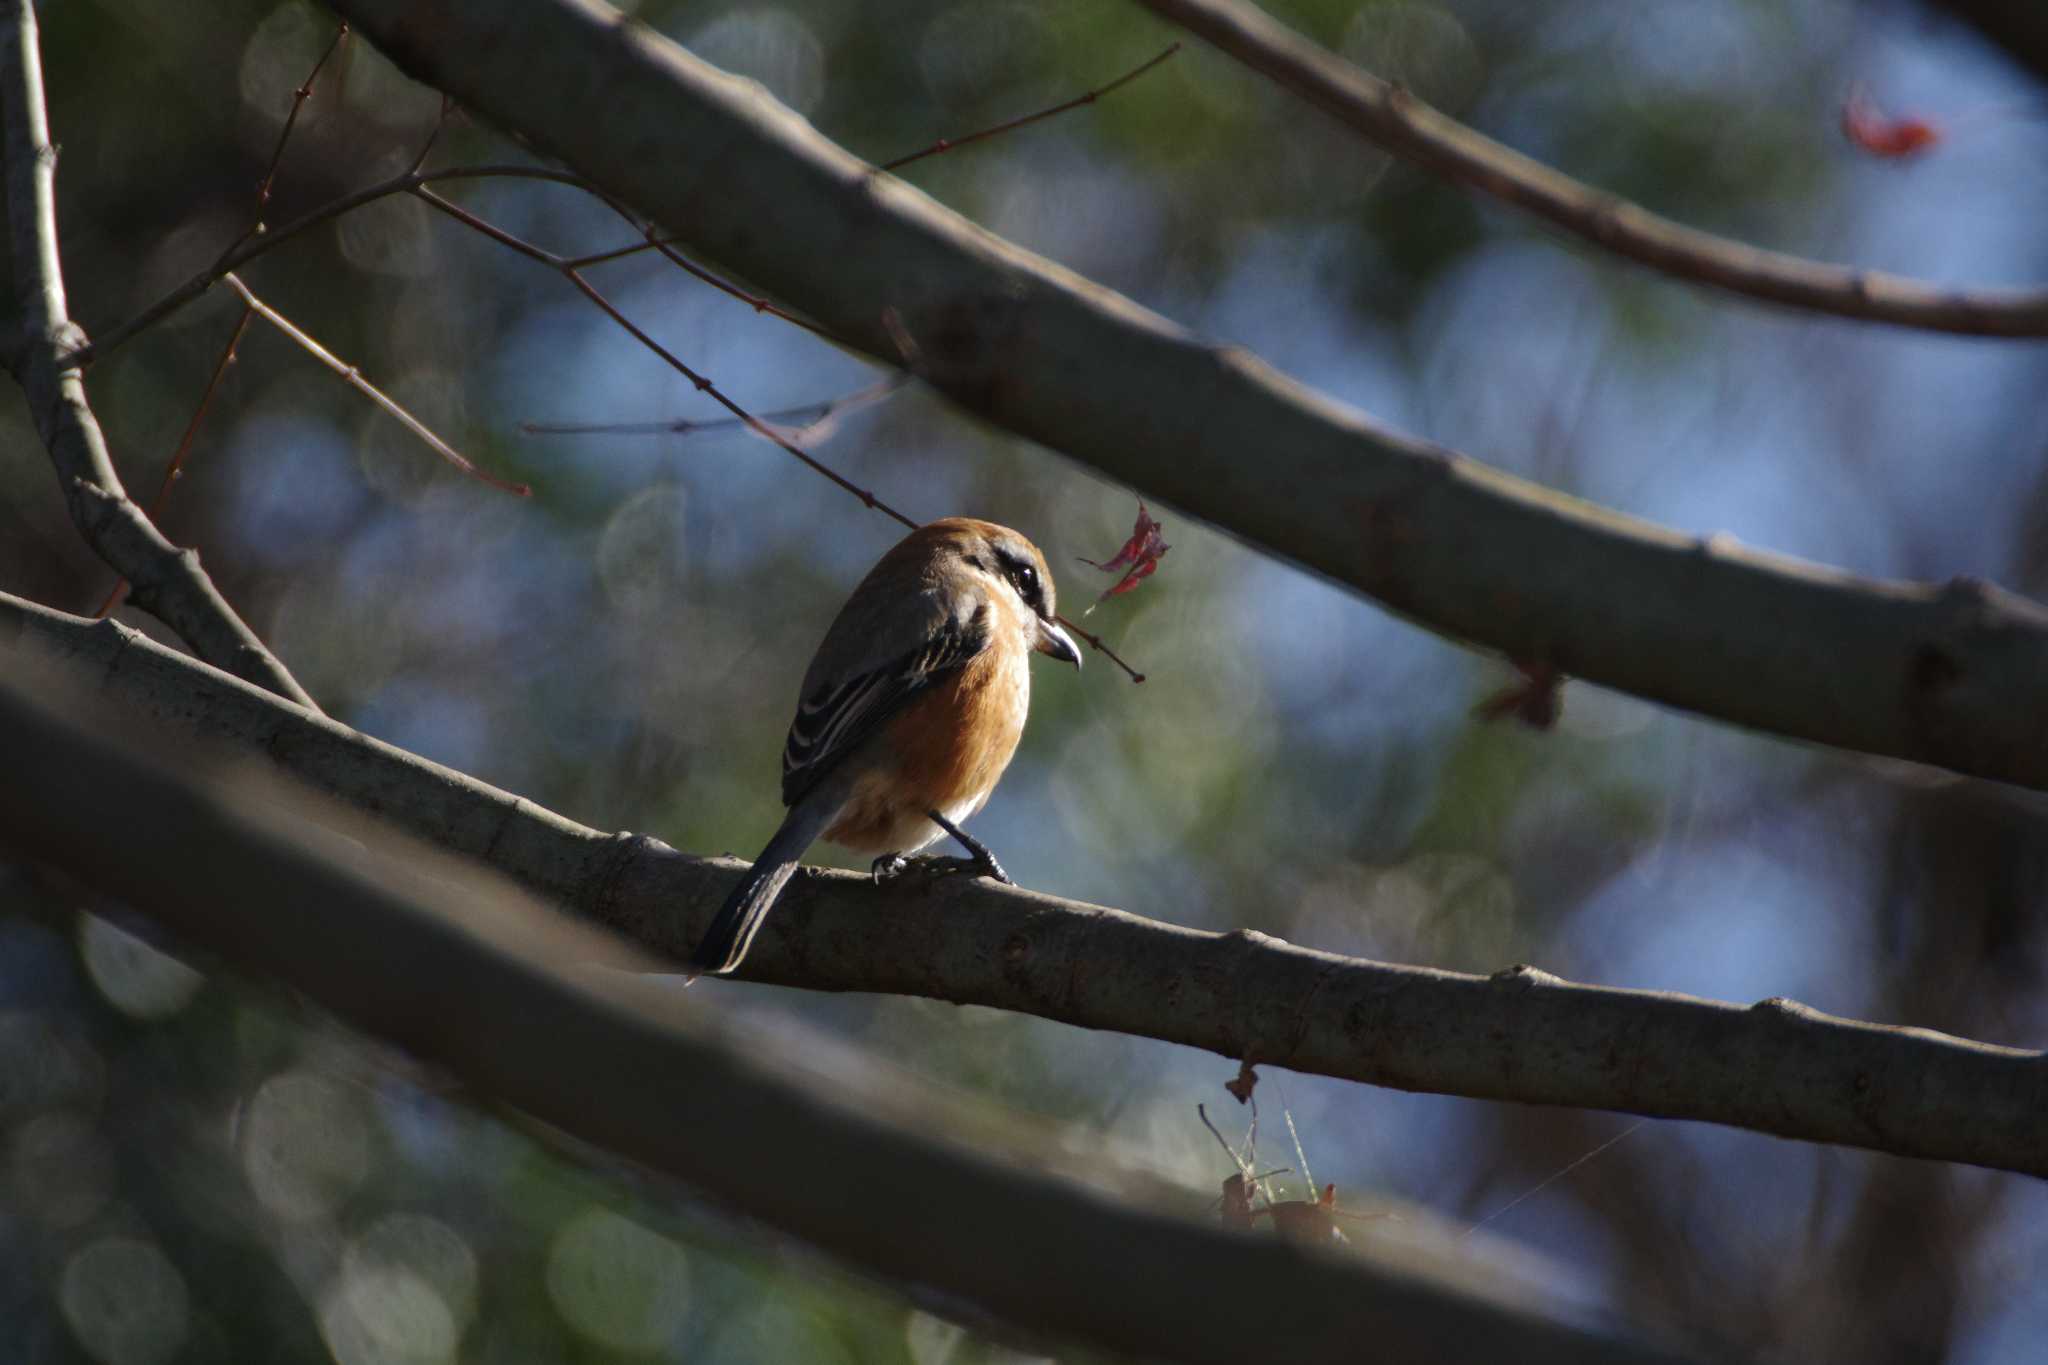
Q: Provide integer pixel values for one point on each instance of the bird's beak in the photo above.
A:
(1056, 642)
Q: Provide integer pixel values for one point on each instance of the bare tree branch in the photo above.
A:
(380, 931)
(1396, 120)
(1774, 1067)
(166, 582)
(1955, 676)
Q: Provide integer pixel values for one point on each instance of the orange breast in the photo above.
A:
(945, 751)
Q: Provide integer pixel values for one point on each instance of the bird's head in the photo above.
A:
(1010, 566)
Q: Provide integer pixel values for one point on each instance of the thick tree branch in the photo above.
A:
(1955, 676)
(381, 931)
(166, 582)
(1775, 1067)
(1394, 119)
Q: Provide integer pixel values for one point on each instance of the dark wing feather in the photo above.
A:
(833, 720)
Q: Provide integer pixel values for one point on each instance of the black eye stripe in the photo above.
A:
(1022, 573)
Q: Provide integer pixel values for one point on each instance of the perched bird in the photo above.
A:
(909, 713)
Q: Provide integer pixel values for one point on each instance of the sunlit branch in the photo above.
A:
(1520, 1035)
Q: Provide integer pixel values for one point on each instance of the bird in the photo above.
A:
(909, 712)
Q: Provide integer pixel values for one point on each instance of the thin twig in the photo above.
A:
(86, 353)
(1550, 1179)
(1397, 121)
(176, 468)
(354, 378)
(433, 135)
(168, 582)
(951, 144)
(938, 148)
(291, 119)
(1094, 642)
(725, 286)
(814, 417)
(702, 384)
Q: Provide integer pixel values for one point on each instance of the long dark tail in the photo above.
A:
(726, 942)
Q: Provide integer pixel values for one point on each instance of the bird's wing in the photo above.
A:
(839, 710)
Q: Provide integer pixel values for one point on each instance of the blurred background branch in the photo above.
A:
(1946, 676)
(1394, 119)
(166, 581)
(1520, 1035)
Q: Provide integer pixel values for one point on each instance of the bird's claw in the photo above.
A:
(894, 867)
(984, 864)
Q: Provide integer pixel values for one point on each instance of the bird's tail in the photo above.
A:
(732, 932)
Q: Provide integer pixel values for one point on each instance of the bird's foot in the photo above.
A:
(983, 863)
(888, 868)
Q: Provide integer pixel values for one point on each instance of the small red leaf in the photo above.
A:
(1893, 139)
(1137, 560)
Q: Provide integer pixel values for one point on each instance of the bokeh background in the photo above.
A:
(200, 1169)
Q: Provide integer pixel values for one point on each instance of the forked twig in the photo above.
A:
(170, 583)
(253, 247)
(705, 386)
(284, 136)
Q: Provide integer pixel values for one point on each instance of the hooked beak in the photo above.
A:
(1056, 642)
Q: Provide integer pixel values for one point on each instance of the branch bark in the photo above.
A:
(376, 929)
(1954, 676)
(1396, 120)
(1523, 1035)
(165, 581)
